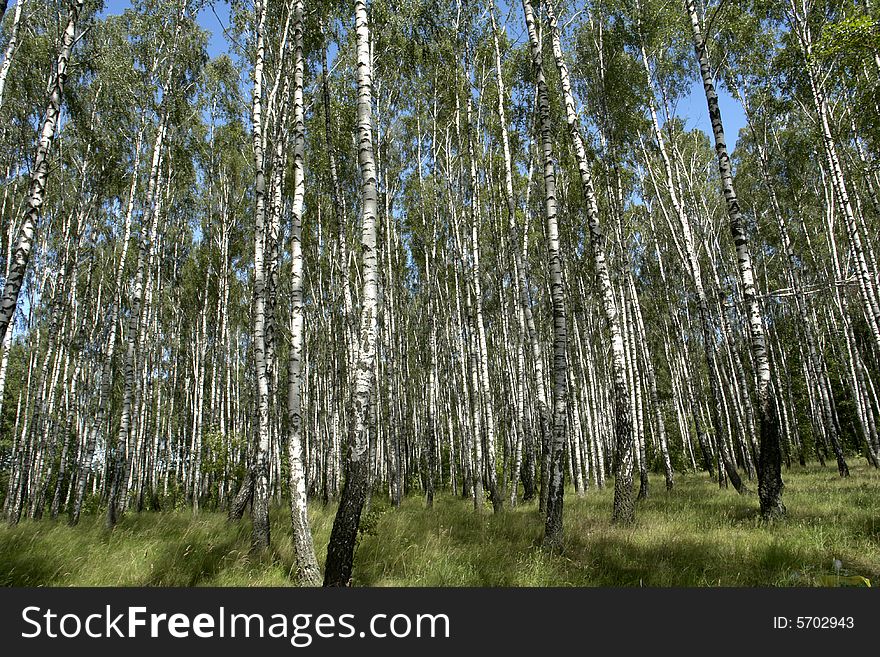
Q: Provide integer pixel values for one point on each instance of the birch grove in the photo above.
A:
(380, 251)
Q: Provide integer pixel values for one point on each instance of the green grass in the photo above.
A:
(697, 535)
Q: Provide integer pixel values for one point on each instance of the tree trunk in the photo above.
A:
(770, 455)
(692, 264)
(260, 498)
(304, 549)
(624, 508)
(553, 530)
(11, 45)
(149, 226)
(39, 171)
(481, 351)
(340, 550)
(521, 282)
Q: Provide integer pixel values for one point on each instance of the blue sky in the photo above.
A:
(691, 109)
(213, 18)
(695, 113)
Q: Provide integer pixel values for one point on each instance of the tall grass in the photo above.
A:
(695, 535)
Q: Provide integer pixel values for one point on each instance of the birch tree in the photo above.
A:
(40, 169)
(624, 509)
(770, 455)
(340, 551)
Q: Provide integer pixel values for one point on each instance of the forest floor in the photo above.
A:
(695, 535)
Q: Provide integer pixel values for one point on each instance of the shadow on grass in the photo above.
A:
(687, 537)
(694, 535)
(191, 564)
(24, 567)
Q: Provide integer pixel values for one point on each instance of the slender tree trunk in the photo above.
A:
(338, 214)
(260, 497)
(624, 508)
(553, 534)
(307, 563)
(39, 170)
(770, 455)
(481, 350)
(522, 286)
(149, 225)
(11, 45)
(7, 337)
(652, 388)
(340, 551)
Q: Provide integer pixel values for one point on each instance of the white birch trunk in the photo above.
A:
(340, 551)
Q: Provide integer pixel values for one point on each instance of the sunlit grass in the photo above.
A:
(696, 535)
